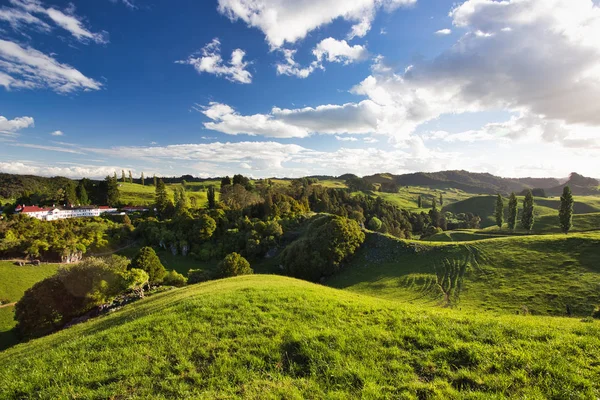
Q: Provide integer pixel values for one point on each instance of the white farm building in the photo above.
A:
(54, 213)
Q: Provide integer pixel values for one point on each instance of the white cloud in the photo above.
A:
(334, 50)
(23, 13)
(211, 62)
(17, 19)
(443, 32)
(28, 68)
(290, 20)
(292, 68)
(43, 169)
(14, 125)
(346, 138)
(57, 133)
(128, 3)
(370, 140)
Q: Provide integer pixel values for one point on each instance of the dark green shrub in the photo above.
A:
(147, 260)
(234, 265)
(375, 224)
(198, 275)
(173, 278)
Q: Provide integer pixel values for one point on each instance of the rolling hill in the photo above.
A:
(262, 336)
(542, 274)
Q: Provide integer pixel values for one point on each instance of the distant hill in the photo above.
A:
(484, 183)
(579, 184)
(14, 186)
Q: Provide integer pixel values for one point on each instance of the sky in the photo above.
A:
(287, 88)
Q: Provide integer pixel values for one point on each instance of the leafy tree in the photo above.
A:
(499, 211)
(182, 205)
(328, 241)
(225, 182)
(82, 193)
(130, 177)
(434, 214)
(527, 218)
(115, 176)
(112, 191)
(420, 202)
(375, 224)
(173, 278)
(136, 279)
(147, 260)
(50, 304)
(194, 202)
(565, 212)
(211, 195)
(441, 199)
(161, 197)
(123, 175)
(205, 226)
(155, 181)
(512, 211)
(70, 193)
(234, 265)
(142, 179)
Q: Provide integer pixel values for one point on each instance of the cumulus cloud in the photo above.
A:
(28, 68)
(210, 61)
(57, 133)
(289, 20)
(25, 10)
(346, 138)
(443, 32)
(69, 171)
(330, 50)
(13, 125)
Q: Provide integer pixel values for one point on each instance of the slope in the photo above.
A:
(261, 337)
(535, 274)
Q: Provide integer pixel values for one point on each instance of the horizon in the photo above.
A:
(279, 89)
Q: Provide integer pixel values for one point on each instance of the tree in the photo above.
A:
(70, 194)
(512, 211)
(375, 224)
(112, 191)
(82, 193)
(205, 226)
(225, 182)
(155, 181)
(234, 265)
(527, 218)
(565, 213)
(499, 211)
(161, 197)
(441, 199)
(142, 179)
(182, 205)
(420, 202)
(123, 175)
(136, 280)
(130, 177)
(212, 202)
(115, 175)
(173, 278)
(147, 260)
(434, 214)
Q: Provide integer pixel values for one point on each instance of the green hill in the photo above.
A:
(543, 274)
(261, 337)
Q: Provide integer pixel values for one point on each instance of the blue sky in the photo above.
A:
(286, 88)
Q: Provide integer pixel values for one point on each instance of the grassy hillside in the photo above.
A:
(503, 275)
(138, 195)
(261, 337)
(460, 236)
(14, 281)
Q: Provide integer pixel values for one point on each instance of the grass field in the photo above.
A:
(137, 195)
(261, 337)
(14, 281)
(501, 275)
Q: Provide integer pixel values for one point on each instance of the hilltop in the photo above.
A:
(262, 337)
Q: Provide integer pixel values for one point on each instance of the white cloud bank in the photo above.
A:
(28, 68)
(290, 20)
(210, 61)
(10, 126)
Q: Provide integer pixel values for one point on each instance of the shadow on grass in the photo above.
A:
(8, 339)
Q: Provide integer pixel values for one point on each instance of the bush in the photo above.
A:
(328, 241)
(596, 313)
(375, 224)
(71, 292)
(147, 260)
(174, 278)
(198, 275)
(234, 265)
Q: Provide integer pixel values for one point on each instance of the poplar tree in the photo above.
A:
(420, 202)
(527, 218)
(82, 194)
(434, 214)
(123, 175)
(499, 211)
(565, 213)
(142, 179)
(441, 199)
(155, 182)
(512, 211)
(112, 191)
(130, 177)
(161, 196)
(210, 194)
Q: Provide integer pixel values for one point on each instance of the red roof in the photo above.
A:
(30, 209)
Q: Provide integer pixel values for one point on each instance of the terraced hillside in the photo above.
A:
(533, 274)
(261, 337)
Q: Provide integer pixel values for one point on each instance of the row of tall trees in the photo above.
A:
(527, 215)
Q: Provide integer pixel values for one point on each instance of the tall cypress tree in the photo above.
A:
(82, 194)
(499, 211)
(512, 211)
(420, 202)
(142, 179)
(441, 199)
(112, 191)
(123, 175)
(155, 181)
(434, 214)
(130, 177)
(210, 194)
(565, 213)
(161, 197)
(527, 218)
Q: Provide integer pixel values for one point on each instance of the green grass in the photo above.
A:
(261, 337)
(137, 195)
(14, 281)
(502, 275)
(460, 236)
